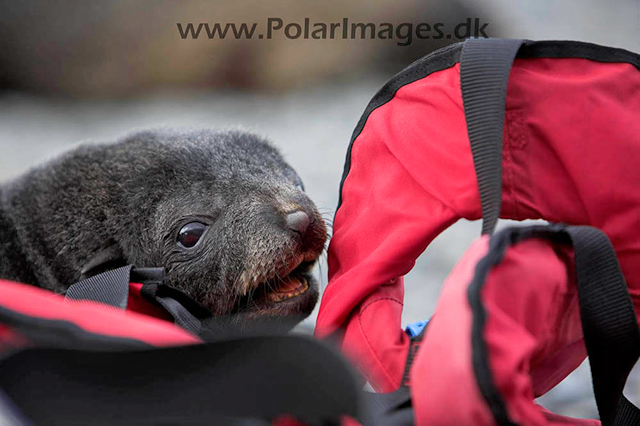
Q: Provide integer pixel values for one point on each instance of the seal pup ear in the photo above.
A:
(110, 257)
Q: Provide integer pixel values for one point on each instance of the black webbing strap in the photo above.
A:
(185, 311)
(213, 383)
(609, 323)
(180, 315)
(147, 276)
(484, 72)
(110, 287)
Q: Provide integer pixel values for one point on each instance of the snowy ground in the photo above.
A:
(312, 128)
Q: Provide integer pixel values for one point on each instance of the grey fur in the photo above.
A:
(125, 202)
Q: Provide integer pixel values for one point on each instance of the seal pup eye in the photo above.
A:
(190, 234)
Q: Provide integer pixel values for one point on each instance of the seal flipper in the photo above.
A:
(110, 257)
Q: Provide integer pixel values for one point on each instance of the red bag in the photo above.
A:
(83, 359)
(446, 139)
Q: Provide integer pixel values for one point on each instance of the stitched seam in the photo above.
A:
(510, 175)
(366, 338)
(377, 300)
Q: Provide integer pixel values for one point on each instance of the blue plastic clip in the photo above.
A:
(413, 330)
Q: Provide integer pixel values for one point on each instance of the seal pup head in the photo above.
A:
(222, 212)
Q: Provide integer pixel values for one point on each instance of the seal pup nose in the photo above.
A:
(298, 222)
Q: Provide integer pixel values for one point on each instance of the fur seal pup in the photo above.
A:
(222, 212)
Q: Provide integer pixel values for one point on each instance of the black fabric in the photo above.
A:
(388, 409)
(110, 287)
(245, 378)
(484, 71)
(628, 414)
(608, 320)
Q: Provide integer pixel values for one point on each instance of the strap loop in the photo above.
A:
(112, 288)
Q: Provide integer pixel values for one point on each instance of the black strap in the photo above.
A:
(147, 276)
(484, 72)
(242, 378)
(609, 323)
(110, 287)
(185, 311)
(180, 315)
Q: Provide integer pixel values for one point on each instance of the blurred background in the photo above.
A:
(77, 71)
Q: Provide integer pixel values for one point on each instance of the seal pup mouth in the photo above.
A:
(293, 292)
(289, 287)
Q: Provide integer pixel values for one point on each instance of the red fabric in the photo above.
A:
(571, 153)
(92, 317)
(391, 209)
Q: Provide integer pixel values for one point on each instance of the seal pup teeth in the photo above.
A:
(222, 212)
(288, 288)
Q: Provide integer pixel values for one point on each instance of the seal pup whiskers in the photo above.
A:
(222, 212)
